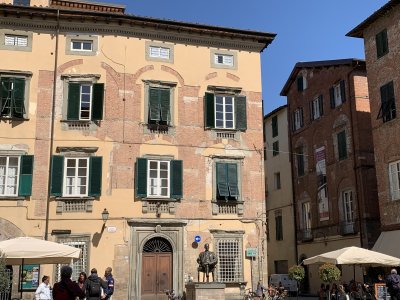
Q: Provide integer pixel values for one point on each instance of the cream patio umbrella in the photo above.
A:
(354, 256)
(27, 250)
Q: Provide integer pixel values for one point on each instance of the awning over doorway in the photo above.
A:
(388, 243)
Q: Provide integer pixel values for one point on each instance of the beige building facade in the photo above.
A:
(380, 32)
(158, 123)
(279, 193)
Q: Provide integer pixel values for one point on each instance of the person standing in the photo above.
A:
(66, 289)
(260, 290)
(94, 286)
(82, 280)
(110, 283)
(393, 284)
(43, 290)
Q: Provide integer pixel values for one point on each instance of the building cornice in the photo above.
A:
(39, 18)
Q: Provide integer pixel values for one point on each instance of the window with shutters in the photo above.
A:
(342, 145)
(394, 180)
(85, 45)
(158, 178)
(300, 161)
(317, 108)
(382, 45)
(162, 52)
(278, 226)
(301, 83)
(274, 126)
(387, 111)
(85, 100)
(298, 119)
(223, 59)
(13, 96)
(227, 181)
(76, 176)
(16, 175)
(225, 112)
(337, 94)
(275, 148)
(15, 40)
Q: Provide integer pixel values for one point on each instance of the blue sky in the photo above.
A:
(306, 30)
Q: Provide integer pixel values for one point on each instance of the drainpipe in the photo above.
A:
(53, 107)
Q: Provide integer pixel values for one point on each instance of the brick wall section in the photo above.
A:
(385, 135)
(323, 132)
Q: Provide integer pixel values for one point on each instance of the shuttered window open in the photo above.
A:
(227, 181)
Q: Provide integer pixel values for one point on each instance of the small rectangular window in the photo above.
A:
(306, 215)
(9, 175)
(316, 108)
(78, 45)
(76, 177)
(382, 46)
(300, 161)
(301, 83)
(278, 228)
(12, 97)
(342, 145)
(158, 178)
(274, 126)
(348, 211)
(298, 118)
(338, 94)
(16, 40)
(159, 106)
(275, 148)
(387, 110)
(223, 59)
(230, 260)
(227, 181)
(159, 52)
(224, 112)
(394, 180)
(277, 181)
(22, 2)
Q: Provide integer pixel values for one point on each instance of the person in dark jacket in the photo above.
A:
(393, 284)
(95, 286)
(110, 282)
(66, 289)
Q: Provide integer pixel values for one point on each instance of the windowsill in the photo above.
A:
(12, 198)
(223, 129)
(160, 199)
(6, 118)
(74, 198)
(78, 121)
(227, 201)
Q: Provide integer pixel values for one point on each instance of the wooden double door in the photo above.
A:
(156, 269)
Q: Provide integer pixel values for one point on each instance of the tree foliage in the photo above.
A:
(4, 276)
(329, 273)
(296, 273)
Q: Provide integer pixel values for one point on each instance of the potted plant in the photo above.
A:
(297, 273)
(4, 276)
(329, 273)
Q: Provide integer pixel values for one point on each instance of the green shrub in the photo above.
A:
(297, 273)
(4, 277)
(329, 273)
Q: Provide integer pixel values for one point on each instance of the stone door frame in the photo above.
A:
(141, 231)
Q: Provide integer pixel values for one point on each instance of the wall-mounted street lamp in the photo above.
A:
(104, 215)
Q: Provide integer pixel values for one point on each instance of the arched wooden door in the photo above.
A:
(156, 269)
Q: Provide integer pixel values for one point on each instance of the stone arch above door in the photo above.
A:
(9, 230)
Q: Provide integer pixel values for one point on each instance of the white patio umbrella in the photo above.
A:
(354, 256)
(27, 250)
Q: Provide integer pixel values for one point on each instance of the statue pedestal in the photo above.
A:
(205, 291)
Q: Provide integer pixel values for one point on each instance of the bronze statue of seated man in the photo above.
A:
(207, 261)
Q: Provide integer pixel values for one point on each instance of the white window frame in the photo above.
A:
(348, 208)
(337, 95)
(159, 52)
(394, 180)
(16, 40)
(7, 176)
(298, 120)
(158, 179)
(224, 112)
(75, 185)
(306, 215)
(316, 109)
(90, 101)
(227, 59)
(81, 44)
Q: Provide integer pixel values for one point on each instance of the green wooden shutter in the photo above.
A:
(154, 104)
(385, 44)
(332, 96)
(176, 179)
(321, 104)
(4, 95)
(57, 174)
(74, 91)
(241, 114)
(312, 110)
(97, 101)
(274, 126)
(300, 85)
(141, 177)
(343, 91)
(342, 147)
(18, 107)
(95, 175)
(25, 175)
(209, 110)
(382, 46)
(233, 180)
(165, 99)
(222, 180)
